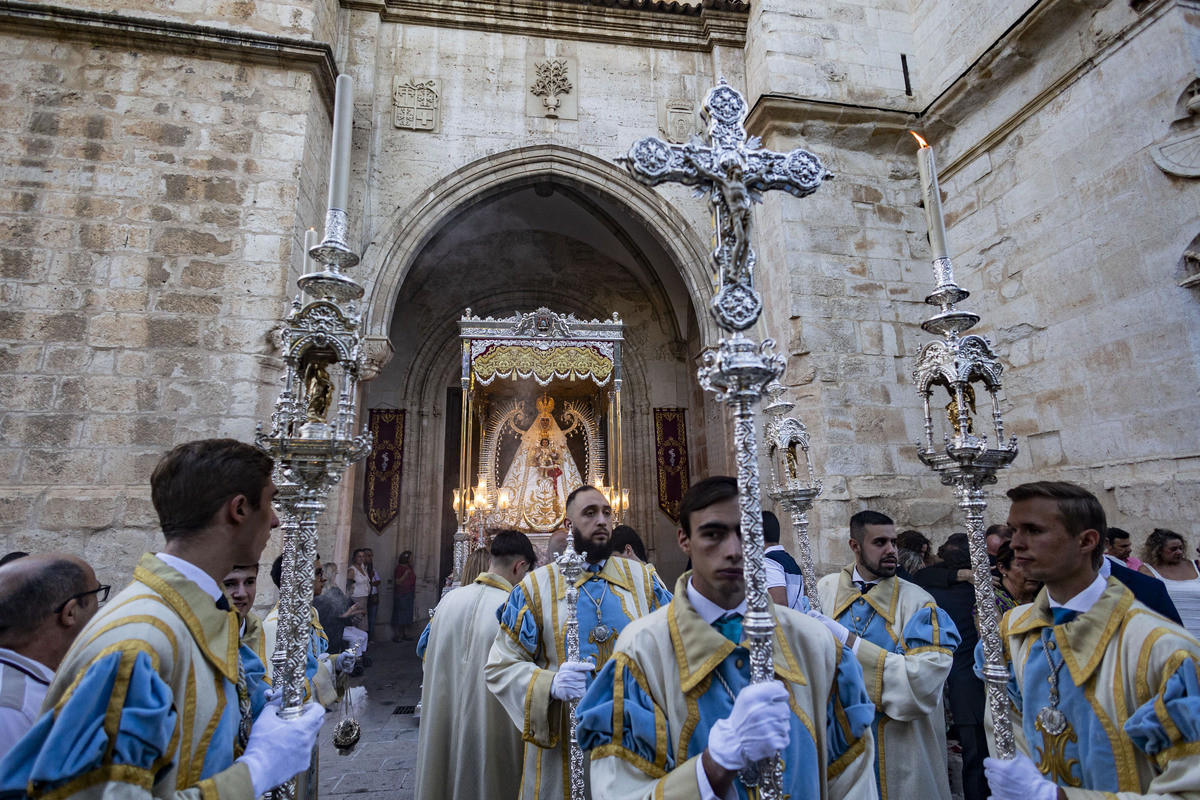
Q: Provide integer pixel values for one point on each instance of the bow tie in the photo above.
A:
(223, 603)
(730, 626)
(1063, 615)
(594, 567)
(864, 586)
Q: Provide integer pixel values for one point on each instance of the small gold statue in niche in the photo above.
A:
(319, 389)
(953, 416)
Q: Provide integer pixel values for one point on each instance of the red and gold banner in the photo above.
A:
(381, 490)
(670, 445)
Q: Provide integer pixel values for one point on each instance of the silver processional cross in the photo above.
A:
(733, 171)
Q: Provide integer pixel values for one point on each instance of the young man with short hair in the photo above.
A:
(151, 699)
(905, 645)
(673, 713)
(468, 746)
(528, 670)
(1106, 693)
(785, 582)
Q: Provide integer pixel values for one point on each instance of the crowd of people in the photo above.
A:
(168, 689)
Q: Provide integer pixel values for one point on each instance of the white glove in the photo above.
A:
(345, 661)
(758, 727)
(570, 682)
(278, 748)
(1017, 779)
(839, 631)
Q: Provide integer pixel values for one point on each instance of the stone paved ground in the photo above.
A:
(383, 764)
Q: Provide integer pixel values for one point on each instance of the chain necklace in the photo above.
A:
(854, 625)
(1050, 718)
(601, 633)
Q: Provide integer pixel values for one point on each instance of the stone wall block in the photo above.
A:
(77, 508)
(56, 467)
(137, 511)
(41, 430)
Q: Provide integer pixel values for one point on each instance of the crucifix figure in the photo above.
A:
(733, 171)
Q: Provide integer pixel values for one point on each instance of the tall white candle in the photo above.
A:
(339, 156)
(927, 169)
(311, 240)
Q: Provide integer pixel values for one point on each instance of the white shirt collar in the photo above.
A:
(857, 576)
(193, 574)
(1083, 601)
(709, 611)
(36, 667)
(1106, 566)
(771, 547)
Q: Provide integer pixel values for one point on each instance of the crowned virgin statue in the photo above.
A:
(542, 472)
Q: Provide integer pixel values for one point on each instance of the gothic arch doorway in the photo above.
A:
(540, 226)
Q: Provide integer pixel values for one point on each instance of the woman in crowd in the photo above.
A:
(358, 583)
(1165, 558)
(405, 581)
(1015, 587)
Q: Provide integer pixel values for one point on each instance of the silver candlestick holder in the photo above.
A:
(733, 172)
(795, 487)
(963, 459)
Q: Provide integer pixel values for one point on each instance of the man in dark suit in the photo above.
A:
(1146, 588)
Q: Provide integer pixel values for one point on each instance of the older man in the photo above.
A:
(152, 700)
(45, 600)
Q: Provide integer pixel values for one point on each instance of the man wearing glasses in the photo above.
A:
(45, 600)
(152, 699)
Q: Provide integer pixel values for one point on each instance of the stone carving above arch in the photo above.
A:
(413, 227)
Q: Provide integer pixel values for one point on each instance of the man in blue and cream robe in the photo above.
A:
(1105, 692)
(905, 646)
(152, 699)
(527, 669)
(663, 717)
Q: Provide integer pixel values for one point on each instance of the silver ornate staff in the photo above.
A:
(571, 565)
(784, 435)
(312, 435)
(964, 460)
(733, 172)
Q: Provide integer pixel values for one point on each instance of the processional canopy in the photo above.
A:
(541, 418)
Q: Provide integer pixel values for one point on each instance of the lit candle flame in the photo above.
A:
(917, 136)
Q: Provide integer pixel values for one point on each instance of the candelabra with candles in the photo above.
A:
(784, 436)
(733, 172)
(484, 510)
(963, 458)
(618, 500)
(312, 436)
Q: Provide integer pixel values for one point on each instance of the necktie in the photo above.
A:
(1063, 615)
(863, 586)
(730, 626)
(223, 603)
(594, 567)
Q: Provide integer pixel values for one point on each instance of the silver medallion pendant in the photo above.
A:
(1051, 720)
(602, 633)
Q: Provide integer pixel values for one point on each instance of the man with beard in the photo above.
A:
(905, 645)
(527, 669)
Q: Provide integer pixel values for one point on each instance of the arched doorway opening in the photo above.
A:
(550, 228)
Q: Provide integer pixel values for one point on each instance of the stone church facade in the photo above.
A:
(159, 165)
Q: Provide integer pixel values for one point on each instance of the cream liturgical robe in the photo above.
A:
(146, 702)
(647, 717)
(1129, 693)
(906, 652)
(531, 645)
(467, 747)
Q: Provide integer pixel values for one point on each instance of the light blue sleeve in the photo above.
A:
(256, 678)
(661, 595)
(517, 620)
(423, 642)
(929, 627)
(850, 711)
(72, 742)
(630, 722)
(1172, 717)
